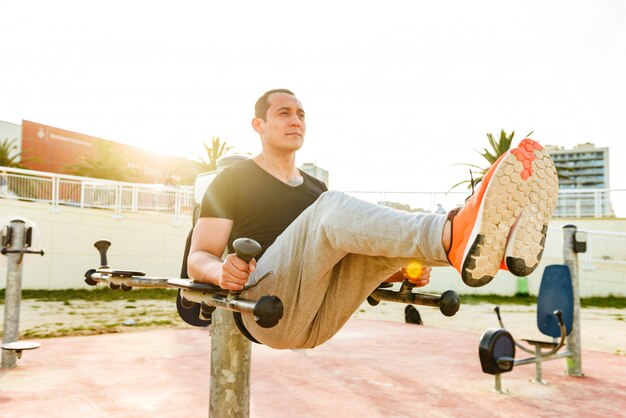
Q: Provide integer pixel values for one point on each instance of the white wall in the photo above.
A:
(154, 244)
(139, 241)
(604, 279)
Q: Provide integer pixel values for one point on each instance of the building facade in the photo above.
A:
(583, 180)
(315, 171)
(50, 149)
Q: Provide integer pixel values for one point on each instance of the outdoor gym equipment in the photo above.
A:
(200, 299)
(267, 311)
(17, 240)
(196, 304)
(555, 310)
(448, 302)
(558, 316)
(19, 346)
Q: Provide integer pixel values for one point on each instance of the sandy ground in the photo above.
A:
(602, 329)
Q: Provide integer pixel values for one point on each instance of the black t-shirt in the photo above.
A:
(260, 206)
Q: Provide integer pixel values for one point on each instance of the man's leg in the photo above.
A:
(339, 249)
(504, 223)
(332, 257)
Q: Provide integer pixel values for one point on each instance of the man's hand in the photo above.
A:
(235, 272)
(419, 276)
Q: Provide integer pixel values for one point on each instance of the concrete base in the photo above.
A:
(370, 369)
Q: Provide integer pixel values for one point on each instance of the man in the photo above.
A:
(329, 251)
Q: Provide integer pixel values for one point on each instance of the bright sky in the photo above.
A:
(395, 92)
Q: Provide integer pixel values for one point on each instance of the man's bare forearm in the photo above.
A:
(204, 267)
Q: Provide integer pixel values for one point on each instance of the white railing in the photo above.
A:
(603, 248)
(428, 202)
(602, 265)
(84, 192)
(580, 203)
(596, 203)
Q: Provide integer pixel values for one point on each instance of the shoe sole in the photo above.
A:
(517, 204)
(528, 236)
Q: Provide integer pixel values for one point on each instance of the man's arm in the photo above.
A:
(204, 264)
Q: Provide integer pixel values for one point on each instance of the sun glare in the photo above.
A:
(413, 270)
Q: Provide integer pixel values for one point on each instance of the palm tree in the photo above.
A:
(9, 157)
(498, 147)
(214, 152)
(106, 164)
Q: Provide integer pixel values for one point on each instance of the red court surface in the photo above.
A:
(370, 369)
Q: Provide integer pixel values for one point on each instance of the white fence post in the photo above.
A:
(135, 203)
(118, 201)
(82, 195)
(54, 197)
(177, 203)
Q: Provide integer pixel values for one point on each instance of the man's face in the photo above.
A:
(284, 126)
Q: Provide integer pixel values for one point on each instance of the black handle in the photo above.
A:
(407, 286)
(497, 310)
(268, 310)
(246, 248)
(103, 246)
(450, 303)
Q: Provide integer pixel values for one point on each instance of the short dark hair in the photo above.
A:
(261, 106)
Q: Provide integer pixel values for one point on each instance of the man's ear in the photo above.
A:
(257, 125)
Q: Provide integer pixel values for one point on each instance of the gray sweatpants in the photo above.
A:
(331, 258)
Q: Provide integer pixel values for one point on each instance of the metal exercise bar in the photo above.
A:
(268, 309)
(448, 302)
(95, 276)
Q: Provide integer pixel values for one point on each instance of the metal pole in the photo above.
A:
(570, 257)
(538, 374)
(230, 368)
(13, 293)
(498, 387)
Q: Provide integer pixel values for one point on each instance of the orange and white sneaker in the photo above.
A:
(504, 223)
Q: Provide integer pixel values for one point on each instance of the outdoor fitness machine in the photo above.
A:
(267, 311)
(448, 302)
(230, 350)
(558, 313)
(17, 240)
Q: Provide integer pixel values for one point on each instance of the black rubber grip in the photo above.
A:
(88, 279)
(268, 310)
(246, 248)
(103, 246)
(450, 303)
